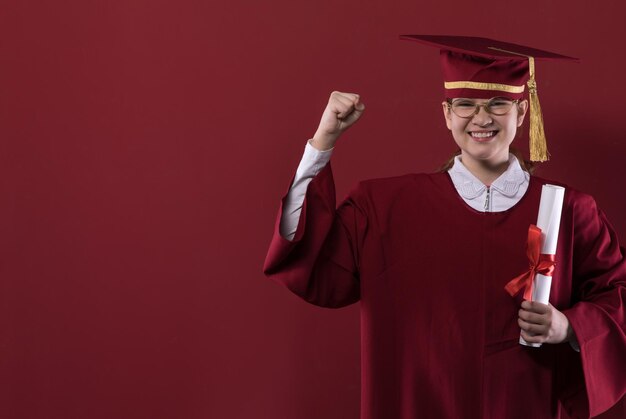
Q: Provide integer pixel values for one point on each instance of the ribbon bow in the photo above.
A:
(539, 264)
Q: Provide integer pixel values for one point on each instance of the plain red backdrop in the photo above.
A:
(145, 146)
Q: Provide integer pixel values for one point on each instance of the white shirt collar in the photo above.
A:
(469, 187)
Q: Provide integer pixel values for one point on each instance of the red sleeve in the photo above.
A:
(321, 264)
(598, 314)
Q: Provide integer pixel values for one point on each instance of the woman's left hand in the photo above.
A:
(542, 323)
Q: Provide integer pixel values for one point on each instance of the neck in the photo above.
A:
(486, 171)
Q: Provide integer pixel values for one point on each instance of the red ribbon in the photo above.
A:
(539, 264)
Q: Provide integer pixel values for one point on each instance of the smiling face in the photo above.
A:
(485, 138)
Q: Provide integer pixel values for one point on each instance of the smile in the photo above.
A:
(482, 135)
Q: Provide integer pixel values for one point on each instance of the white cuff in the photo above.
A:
(313, 161)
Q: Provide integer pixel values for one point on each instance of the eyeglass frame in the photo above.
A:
(477, 106)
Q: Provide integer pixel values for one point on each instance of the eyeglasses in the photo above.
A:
(466, 108)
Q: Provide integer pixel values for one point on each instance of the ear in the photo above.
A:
(447, 114)
(522, 109)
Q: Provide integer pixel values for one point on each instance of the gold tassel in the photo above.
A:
(538, 146)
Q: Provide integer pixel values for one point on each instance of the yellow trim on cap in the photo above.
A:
(483, 86)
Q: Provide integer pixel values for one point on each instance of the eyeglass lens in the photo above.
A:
(466, 108)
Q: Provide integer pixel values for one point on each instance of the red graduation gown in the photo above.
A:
(439, 333)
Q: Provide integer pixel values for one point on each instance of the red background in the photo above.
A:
(145, 146)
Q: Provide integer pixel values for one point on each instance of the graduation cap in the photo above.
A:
(476, 67)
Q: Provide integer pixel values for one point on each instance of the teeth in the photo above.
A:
(482, 134)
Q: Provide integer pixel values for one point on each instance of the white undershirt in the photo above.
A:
(503, 193)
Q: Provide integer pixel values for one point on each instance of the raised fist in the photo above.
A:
(343, 110)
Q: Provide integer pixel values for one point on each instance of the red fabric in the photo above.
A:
(439, 332)
(476, 59)
(462, 67)
(485, 47)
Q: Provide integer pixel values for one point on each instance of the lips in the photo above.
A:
(482, 136)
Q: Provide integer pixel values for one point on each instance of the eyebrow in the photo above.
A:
(493, 98)
(473, 100)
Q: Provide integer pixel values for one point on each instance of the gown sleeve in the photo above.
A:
(597, 315)
(321, 263)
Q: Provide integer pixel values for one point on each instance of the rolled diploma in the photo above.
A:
(548, 220)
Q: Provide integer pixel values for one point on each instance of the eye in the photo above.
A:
(499, 102)
(465, 104)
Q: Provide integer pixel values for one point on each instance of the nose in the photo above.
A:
(482, 117)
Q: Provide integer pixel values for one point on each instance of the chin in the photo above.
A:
(485, 155)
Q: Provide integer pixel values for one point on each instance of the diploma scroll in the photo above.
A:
(548, 220)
